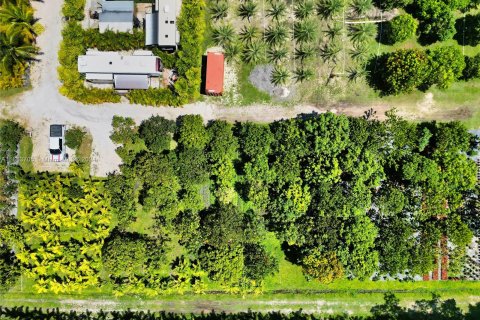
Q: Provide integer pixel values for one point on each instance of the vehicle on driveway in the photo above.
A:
(57, 142)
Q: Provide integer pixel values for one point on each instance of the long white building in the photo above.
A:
(123, 71)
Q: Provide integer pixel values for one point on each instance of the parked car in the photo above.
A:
(57, 142)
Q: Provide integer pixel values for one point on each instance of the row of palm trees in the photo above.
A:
(255, 45)
(18, 31)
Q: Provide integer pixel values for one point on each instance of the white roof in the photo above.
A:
(54, 143)
(161, 25)
(116, 63)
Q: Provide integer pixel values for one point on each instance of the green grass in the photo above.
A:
(249, 93)
(84, 154)
(25, 156)
(11, 92)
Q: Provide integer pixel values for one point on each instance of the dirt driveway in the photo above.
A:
(43, 105)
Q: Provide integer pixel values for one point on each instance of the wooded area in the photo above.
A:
(198, 207)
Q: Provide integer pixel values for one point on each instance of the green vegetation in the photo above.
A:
(391, 308)
(400, 28)
(74, 137)
(25, 154)
(18, 30)
(352, 207)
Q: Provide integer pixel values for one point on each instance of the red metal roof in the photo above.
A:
(215, 73)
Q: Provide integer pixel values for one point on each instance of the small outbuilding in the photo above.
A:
(215, 72)
(116, 16)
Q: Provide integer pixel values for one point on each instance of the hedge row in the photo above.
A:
(187, 60)
(191, 25)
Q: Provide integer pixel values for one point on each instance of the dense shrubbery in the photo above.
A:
(468, 30)
(404, 70)
(18, 31)
(74, 137)
(347, 197)
(400, 28)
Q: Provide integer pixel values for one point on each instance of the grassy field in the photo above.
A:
(84, 154)
(26, 148)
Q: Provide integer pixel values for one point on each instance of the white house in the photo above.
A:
(123, 71)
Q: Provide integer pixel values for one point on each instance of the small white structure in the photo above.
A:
(123, 71)
(115, 16)
(161, 25)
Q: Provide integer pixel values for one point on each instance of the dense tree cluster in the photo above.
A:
(347, 197)
(404, 70)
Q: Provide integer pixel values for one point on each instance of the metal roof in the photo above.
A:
(130, 81)
(161, 25)
(116, 63)
(116, 16)
(215, 73)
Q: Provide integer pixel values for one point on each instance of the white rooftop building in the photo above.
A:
(123, 71)
(161, 25)
(116, 16)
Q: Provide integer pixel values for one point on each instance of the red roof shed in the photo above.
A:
(215, 73)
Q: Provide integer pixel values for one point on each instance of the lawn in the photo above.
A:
(84, 154)
(25, 156)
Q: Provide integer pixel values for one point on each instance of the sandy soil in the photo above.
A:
(43, 105)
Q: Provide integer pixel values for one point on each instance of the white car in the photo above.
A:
(57, 142)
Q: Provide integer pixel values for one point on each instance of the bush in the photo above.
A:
(14, 80)
(398, 72)
(472, 67)
(437, 22)
(445, 66)
(10, 134)
(468, 30)
(74, 137)
(400, 28)
(157, 133)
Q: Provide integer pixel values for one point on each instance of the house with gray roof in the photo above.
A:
(116, 16)
(161, 25)
(124, 72)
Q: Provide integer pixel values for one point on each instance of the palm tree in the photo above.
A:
(327, 9)
(359, 52)
(247, 9)
(232, 50)
(329, 52)
(362, 32)
(277, 10)
(361, 7)
(276, 34)
(304, 52)
(301, 74)
(253, 52)
(355, 74)
(248, 33)
(333, 30)
(18, 17)
(223, 34)
(304, 9)
(279, 75)
(219, 10)
(276, 55)
(304, 31)
(14, 51)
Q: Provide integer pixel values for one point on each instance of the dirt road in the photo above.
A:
(43, 105)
